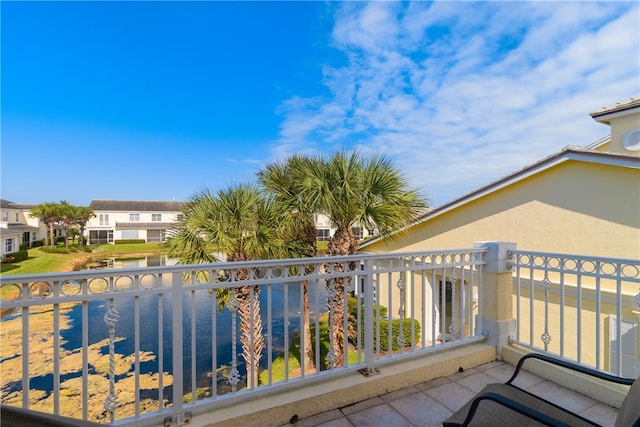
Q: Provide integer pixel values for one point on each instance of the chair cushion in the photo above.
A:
(490, 413)
(629, 413)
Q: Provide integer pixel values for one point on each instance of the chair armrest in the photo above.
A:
(569, 365)
(514, 406)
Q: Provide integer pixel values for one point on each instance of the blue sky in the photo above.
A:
(157, 100)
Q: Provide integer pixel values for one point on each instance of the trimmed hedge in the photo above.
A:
(128, 241)
(55, 250)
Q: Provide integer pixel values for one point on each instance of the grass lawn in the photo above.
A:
(278, 366)
(42, 262)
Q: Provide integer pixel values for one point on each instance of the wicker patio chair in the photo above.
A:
(508, 405)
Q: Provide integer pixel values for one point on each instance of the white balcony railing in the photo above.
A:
(582, 308)
(142, 346)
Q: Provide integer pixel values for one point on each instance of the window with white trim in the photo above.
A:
(8, 245)
(134, 217)
(104, 219)
(324, 234)
(156, 217)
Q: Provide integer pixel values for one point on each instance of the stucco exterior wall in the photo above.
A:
(574, 207)
(619, 127)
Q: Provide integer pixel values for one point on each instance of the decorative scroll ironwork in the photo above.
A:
(546, 338)
(234, 375)
(401, 287)
(111, 318)
(452, 325)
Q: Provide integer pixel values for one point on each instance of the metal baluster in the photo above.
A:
(331, 292)
(636, 366)
(111, 318)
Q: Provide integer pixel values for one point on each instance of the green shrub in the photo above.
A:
(128, 241)
(21, 255)
(395, 332)
(23, 247)
(352, 307)
(54, 249)
(37, 244)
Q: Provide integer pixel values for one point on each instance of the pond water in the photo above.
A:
(207, 317)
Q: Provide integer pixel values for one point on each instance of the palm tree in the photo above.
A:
(356, 191)
(239, 222)
(82, 215)
(48, 213)
(284, 180)
(66, 214)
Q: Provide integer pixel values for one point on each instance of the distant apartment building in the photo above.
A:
(132, 220)
(17, 227)
(122, 220)
(326, 229)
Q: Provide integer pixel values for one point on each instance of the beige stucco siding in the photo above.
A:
(573, 207)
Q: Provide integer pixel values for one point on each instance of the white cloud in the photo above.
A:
(460, 94)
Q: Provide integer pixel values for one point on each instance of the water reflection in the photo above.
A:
(128, 262)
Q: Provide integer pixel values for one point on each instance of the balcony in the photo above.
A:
(164, 345)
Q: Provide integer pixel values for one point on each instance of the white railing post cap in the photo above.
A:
(497, 255)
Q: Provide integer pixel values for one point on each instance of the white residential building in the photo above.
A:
(131, 220)
(17, 227)
(326, 229)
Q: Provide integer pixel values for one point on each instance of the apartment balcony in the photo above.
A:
(164, 345)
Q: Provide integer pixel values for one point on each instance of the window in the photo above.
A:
(324, 234)
(104, 219)
(130, 235)
(5, 216)
(100, 237)
(156, 217)
(17, 217)
(357, 232)
(180, 217)
(8, 246)
(134, 217)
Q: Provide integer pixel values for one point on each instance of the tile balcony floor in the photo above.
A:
(430, 403)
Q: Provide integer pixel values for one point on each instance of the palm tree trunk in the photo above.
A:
(81, 238)
(251, 338)
(307, 350)
(336, 312)
(51, 242)
(343, 242)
